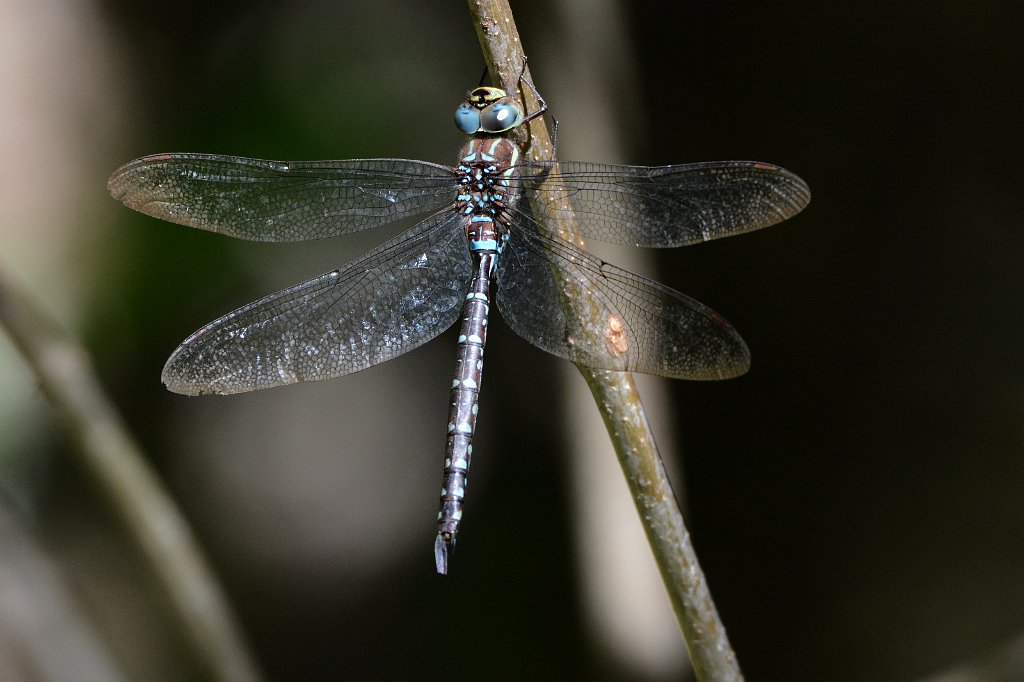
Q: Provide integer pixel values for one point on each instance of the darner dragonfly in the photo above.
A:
(483, 225)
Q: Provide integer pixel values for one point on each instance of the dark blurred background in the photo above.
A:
(856, 500)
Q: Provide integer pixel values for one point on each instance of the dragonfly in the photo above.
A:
(485, 234)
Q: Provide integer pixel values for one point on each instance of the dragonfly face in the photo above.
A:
(488, 110)
(481, 228)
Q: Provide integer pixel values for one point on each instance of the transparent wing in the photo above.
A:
(277, 201)
(668, 205)
(617, 320)
(391, 300)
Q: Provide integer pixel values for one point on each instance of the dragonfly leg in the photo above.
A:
(540, 112)
(540, 100)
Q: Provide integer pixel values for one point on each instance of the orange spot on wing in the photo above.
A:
(615, 337)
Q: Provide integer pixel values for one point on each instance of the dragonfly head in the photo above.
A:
(488, 110)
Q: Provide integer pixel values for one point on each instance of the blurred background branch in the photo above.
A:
(110, 455)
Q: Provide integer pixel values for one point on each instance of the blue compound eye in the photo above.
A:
(501, 116)
(467, 118)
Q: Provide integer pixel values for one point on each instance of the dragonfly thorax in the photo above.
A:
(486, 191)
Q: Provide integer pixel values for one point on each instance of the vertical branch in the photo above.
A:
(116, 463)
(615, 393)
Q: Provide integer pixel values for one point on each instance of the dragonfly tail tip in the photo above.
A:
(443, 544)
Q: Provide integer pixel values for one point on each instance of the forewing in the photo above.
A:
(664, 206)
(391, 300)
(610, 318)
(277, 201)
